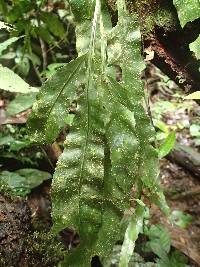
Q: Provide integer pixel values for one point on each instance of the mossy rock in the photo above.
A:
(42, 250)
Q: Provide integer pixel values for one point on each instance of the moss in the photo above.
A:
(165, 19)
(7, 192)
(112, 4)
(42, 249)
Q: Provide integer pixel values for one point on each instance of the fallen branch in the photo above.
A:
(186, 157)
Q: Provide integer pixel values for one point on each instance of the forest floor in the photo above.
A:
(186, 199)
(181, 182)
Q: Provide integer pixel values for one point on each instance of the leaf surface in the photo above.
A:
(188, 10)
(54, 99)
(195, 95)
(168, 145)
(22, 181)
(11, 82)
(4, 45)
(131, 235)
(195, 47)
(20, 103)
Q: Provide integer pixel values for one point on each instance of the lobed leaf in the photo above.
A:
(159, 240)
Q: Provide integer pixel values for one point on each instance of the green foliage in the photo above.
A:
(54, 25)
(55, 98)
(7, 43)
(109, 147)
(181, 219)
(20, 103)
(22, 181)
(188, 10)
(39, 30)
(195, 130)
(159, 243)
(51, 69)
(135, 226)
(159, 240)
(15, 144)
(11, 82)
(135, 261)
(168, 145)
(175, 258)
(195, 47)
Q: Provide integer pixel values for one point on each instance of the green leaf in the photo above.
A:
(51, 69)
(11, 82)
(188, 10)
(168, 145)
(53, 23)
(54, 100)
(180, 218)
(160, 241)
(44, 33)
(195, 47)
(7, 43)
(79, 6)
(6, 140)
(195, 130)
(20, 103)
(89, 187)
(134, 228)
(161, 126)
(195, 95)
(3, 7)
(22, 181)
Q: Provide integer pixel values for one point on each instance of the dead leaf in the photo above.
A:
(149, 53)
